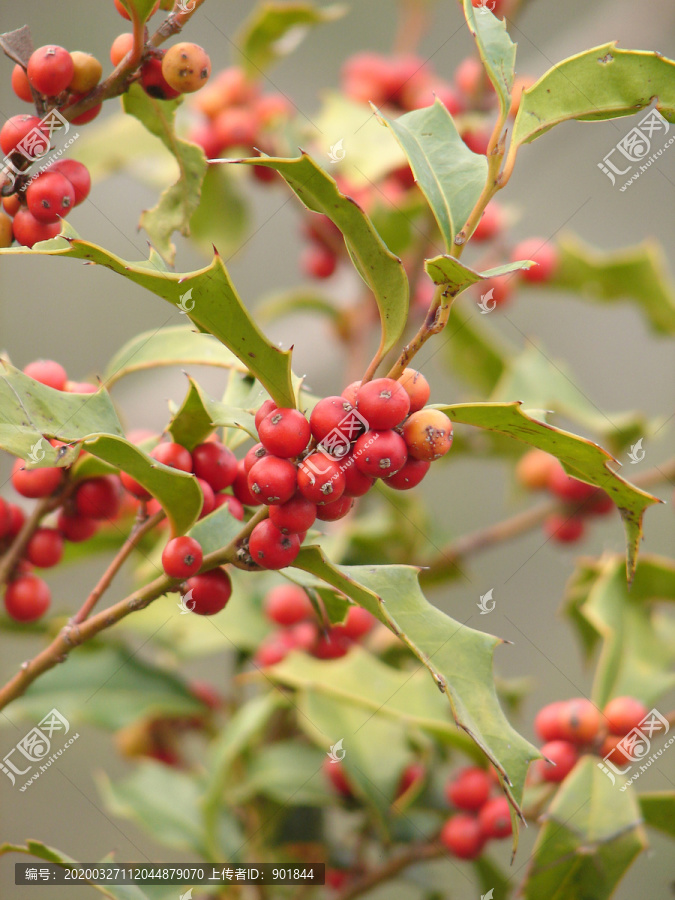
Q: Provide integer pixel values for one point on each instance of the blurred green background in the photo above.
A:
(81, 315)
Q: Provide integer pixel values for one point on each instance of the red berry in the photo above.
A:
(236, 127)
(88, 116)
(541, 252)
(21, 84)
(294, 516)
(470, 789)
(494, 818)
(50, 69)
(77, 174)
(98, 498)
(462, 835)
(45, 548)
(133, 487)
(412, 774)
(303, 636)
(35, 483)
(50, 196)
(428, 434)
(318, 261)
(358, 623)
(598, 505)
(495, 292)
(48, 372)
(208, 593)
(416, 387)
(182, 557)
(5, 518)
(173, 455)
(580, 721)
(235, 506)
(255, 453)
(356, 483)
(15, 130)
(477, 139)
(564, 757)
(27, 598)
(569, 489)
(287, 604)
(273, 480)
(534, 469)
(410, 475)
(328, 415)
(284, 432)
(332, 645)
(16, 519)
(450, 98)
(240, 487)
(28, 231)
(470, 76)
(564, 529)
(121, 46)
(270, 548)
(548, 722)
(350, 392)
(265, 409)
(209, 498)
(153, 81)
(380, 454)
(335, 773)
(273, 649)
(76, 528)
(613, 744)
(623, 714)
(384, 403)
(490, 224)
(320, 479)
(337, 509)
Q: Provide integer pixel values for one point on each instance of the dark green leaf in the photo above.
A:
(497, 50)
(199, 415)
(178, 202)
(286, 772)
(450, 175)
(658, 811)
(143, 8)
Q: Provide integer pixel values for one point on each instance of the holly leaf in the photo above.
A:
(497, 51)
(282, 772)
(592, 834)
(456, 276)
(217, 308)
(602, 83)
(448, 649)
(474, 355)
(637, 273)
(222, 218)
(293, 301)
(177, 203)
(580, 458)
(142, 8)
(199, 415)
(176, 345)
(382, 272)
(449, 175)
(273, 30)
(658, 811)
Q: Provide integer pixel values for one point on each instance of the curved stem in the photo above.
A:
(435, 321)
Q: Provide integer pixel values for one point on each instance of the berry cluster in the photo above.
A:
(573, 727)
(289, 607)
(236, 114)
(481, 817)
(537, 471)
(305, 470)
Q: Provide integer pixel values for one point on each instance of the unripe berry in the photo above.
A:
(580, 721)
(186, 67)
(462, 835)
(27, 598)
(622, 714)
(208, 593)
(534, 469)
(380, 454)
(272, 480)
(87, 71)
(35, 483)
(320, 479)
(47, 372)
(284, 432)
(45, 548)
(21, 84)
(215, 463)
(337, 509)
(12, 204)
(494, 818)
(428, 434)
(182, 557)
(469, 789)
(295, 516)
(416, 387)
(541, 252)
(384, 403)
(98, 498)
(270, 548)
(563, 528)
(121, 46)
(287, 604)
(563, 755)
(409, 476)
(6, 231)
(50, 69)
(50, 196)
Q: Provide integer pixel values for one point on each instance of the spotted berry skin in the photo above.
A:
(321, 479)
(182, 557)
(379, 454)
(383, 403)
(284, 432)
(272, 480)
(271, 549)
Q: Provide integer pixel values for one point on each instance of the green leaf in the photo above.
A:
(108, 686)
(30, 411)
(178, 202)
(143, 8)
(49, 854)
(580, 458)
(216, 530)
(450, 175)
(445, 270)
(491, 877)
(591, 835)
(217, 310)
(176, 345)
(285, 772)
(602, 83)
(458, 658)
(637, 273)
(273, 30)
(636, 658)
(199, 415)
(476, 356)
(497, 51)
(658, 811)
(222, 217)
(380, 269)
(296, 300)
(177, 492)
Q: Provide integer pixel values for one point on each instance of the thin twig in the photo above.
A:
(413, 854)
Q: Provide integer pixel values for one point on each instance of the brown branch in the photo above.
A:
(415, 853)
(174, 22)
(435, 321)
